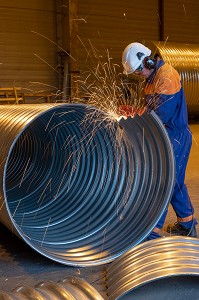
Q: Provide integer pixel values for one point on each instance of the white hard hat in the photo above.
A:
(133, 56)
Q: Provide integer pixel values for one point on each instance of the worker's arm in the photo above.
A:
(162, 93)
(166, 106)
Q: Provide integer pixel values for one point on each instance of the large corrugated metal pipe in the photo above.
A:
(79, 187)
(166, 268)
(71, 288)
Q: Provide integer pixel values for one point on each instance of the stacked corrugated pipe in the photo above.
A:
(165, 268)
(71, 288)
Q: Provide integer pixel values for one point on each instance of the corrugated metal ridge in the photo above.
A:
(150, 261)
(71, 288)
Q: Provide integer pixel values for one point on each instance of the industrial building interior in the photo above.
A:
(67, 53)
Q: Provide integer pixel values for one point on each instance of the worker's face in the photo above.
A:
(144, 73)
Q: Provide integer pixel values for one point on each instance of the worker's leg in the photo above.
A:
(156, 233)
(180, 200)
(181, 142)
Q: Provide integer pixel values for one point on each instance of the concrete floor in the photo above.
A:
(20, 265)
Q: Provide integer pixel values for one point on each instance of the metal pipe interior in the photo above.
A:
(77, 187)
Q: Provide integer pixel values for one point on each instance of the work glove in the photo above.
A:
(130, 111)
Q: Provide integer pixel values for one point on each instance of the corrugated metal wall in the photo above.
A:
(26, 53)
(181, 21)
(114, 24)
(28, 35)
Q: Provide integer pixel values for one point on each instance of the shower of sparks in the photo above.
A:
(60, 185)
(77, 156)
(166, 41)
(193, 137)
(45, 232)
(22, 220)
(45, 188)
(25, 138)
(51, 41)
(61, 124)
(81, 19)
(43, 88)
(54, 142)
(104, 87)
(185, 12)
(34, 176)
(49, 121)
(159, 19)
(43, 84)
(67, 141)
(177, 141)
(19, 202)
(54, 69)
(24, 172)
(2, 204)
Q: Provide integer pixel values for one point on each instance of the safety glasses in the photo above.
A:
(139, 70)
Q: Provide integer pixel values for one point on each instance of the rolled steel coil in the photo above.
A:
(147, 263)
(79, 187)
(72, 288)
(185, 58)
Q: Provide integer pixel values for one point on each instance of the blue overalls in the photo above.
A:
(165, 95)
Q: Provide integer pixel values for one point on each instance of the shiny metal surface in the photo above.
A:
(71, 288)
(183, 57)
(150, 261)
(154, 171)
(77, 186)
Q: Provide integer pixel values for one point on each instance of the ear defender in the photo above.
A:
(149, 63)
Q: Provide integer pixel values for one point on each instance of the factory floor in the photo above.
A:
(20, 265)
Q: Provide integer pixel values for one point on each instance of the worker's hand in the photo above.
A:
(130, 111)
(141, 111)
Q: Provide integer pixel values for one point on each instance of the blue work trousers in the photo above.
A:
(181, 140)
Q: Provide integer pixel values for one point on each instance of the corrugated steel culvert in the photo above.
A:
(79, 187)
(72, 288)
(166, 268)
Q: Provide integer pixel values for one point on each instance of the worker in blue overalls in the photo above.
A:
(164, 94)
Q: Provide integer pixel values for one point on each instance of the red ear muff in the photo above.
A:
(149, 63)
